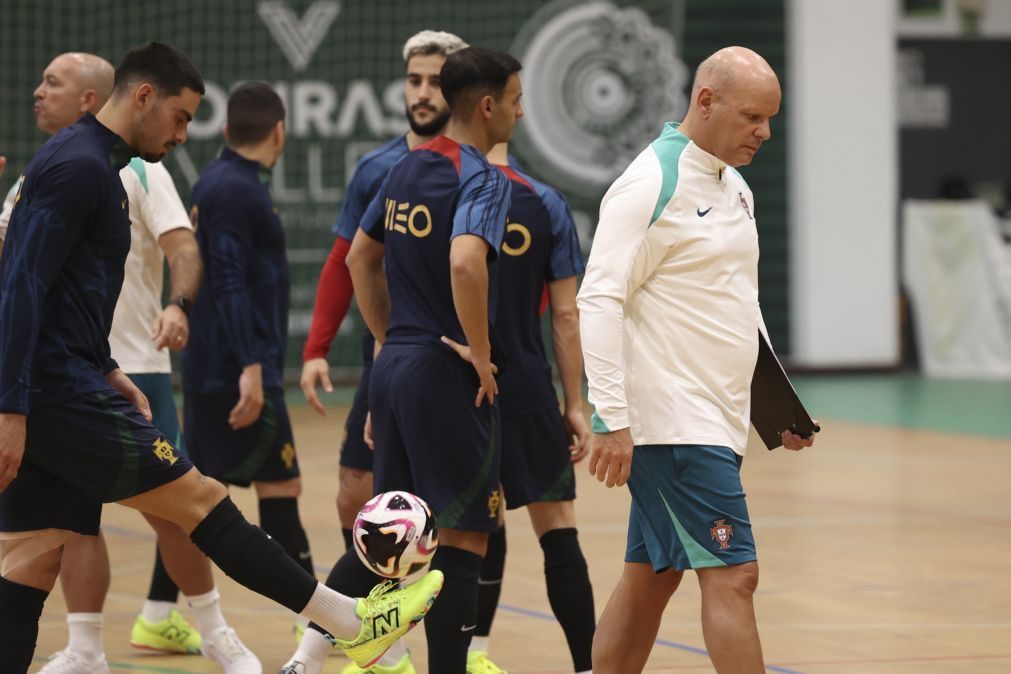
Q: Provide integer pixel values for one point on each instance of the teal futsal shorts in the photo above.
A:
(688, 508)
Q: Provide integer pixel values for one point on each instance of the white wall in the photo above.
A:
(842, 183)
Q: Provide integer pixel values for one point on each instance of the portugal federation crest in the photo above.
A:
(722, 532)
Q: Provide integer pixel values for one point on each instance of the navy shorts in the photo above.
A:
(263, 452)
(688, 508)
(354, 452)
(157, 386)
(431, 440)
(535, 459)
(93, 449)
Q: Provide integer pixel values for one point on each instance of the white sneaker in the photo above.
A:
(225, 648)
(67, 662)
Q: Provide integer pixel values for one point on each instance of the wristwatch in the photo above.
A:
(183, 303)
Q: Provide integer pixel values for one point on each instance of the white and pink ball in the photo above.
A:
(395, 534)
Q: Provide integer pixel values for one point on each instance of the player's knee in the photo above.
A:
(471, 541)
(348, 505)
(644, 582)
(738, 580)
(745, 579)
(551, 515)
(282, 489)
(34, 570)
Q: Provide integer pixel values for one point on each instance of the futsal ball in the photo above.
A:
(395, 534)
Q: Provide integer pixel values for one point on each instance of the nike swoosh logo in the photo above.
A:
(702, 213)
(468, 628)
(304, 555)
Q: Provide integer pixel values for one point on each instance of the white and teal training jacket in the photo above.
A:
(669, 313)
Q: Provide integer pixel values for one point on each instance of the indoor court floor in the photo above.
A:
(884, 549)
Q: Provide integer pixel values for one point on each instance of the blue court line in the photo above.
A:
(659, 642)
(530, 613)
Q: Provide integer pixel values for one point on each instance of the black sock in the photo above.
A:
(279, 518)
(489, 587)
(349, 577)
(450, 624)
(349, 539)
(250, 557)
(20, 610)
(569, 592)
(163, 588)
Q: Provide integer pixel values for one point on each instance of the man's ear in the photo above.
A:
(704, 101)
(144, 95)
(88, 98)
(487, 106)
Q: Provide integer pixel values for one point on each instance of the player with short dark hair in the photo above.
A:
(236, 421)
(423, 266)
(72, 84)
(427, 113)
(540, 253)
(163, 66)
(253, 110)
(75, 431)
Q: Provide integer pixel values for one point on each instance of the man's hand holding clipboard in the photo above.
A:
(776, 412)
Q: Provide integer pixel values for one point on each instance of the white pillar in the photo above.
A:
(842, 182)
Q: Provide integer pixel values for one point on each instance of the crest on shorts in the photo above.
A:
(722, 532)
(288, 455)
(164, 450)
(494, 502)
(744, 204)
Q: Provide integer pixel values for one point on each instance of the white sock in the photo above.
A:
(588, 671)
(312, 651)
(156, 611)
(479, 644)
(85, 635)
(394, 655)
(335, 612)
(207, 611)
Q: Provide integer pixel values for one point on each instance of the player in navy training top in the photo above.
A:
(540, 444)
(74, 431)
(427, 113)
(437, 224)
(235, 420)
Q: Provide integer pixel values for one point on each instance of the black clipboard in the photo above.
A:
(775, 406)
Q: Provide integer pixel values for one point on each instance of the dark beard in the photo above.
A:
(430, 129)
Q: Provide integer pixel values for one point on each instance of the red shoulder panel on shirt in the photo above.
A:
(444, 146)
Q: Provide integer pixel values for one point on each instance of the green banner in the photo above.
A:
(600, 78)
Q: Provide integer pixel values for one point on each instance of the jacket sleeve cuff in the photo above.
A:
(615, 421)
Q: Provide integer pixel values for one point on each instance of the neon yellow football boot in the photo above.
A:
(387, 614)
(172, 635)
(478, 662)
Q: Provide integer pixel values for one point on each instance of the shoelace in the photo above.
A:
(227, 642)
(379, 593)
